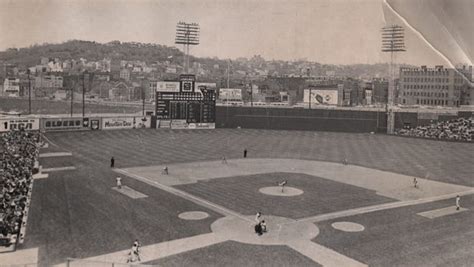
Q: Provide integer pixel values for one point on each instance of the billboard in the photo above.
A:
(230, 94)
(320, 97)
(65, 124)
(9, 124)
(182, 124)
(207, 85)
(167, 86)
(125, 123)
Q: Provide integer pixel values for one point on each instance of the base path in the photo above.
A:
(159, 250)
(323, 255)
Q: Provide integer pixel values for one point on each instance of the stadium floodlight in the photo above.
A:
(393, 41)
(187, 34)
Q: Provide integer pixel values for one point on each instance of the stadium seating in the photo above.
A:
(456, 130)
(18, 154)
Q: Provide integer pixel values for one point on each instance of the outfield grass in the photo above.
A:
(77, 214)
(441, 161)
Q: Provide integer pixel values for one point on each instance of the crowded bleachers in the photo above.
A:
(456, 130)
(18, 153)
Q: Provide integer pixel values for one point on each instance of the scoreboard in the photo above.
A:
(187, 103)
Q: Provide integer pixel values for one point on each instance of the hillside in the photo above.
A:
(152, 53)
(91, 51)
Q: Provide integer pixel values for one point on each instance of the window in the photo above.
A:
(78, 123)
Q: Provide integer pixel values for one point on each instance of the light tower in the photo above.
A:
(187, 34)
(393, 41)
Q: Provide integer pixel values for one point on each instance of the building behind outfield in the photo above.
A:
(436, 86)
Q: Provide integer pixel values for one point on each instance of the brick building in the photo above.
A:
(435, 86)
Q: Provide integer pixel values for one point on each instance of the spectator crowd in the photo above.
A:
(19, 151)
(457, 130)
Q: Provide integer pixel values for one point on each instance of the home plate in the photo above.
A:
(431, 214)
(129, 192)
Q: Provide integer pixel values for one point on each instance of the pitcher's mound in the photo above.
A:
(276, 191)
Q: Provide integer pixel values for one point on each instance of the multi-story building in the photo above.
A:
(11, 87)
(379, 91)
(49, 81)
(125, 74)
(435, 86)
(353, 93)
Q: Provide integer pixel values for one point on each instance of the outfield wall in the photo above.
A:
(334, 120)
(301, 119)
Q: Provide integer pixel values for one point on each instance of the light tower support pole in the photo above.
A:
(393, 40)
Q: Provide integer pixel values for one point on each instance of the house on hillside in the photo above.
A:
(123, 91)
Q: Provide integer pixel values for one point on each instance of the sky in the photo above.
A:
(326, 31)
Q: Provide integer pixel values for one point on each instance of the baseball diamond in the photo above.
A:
(201, 212)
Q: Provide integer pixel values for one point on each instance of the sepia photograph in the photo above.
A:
(156, 133)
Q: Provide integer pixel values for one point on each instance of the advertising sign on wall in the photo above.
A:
(230, 94)
(143, 122)
(61, 124)
(17, 124)
(167, 86)
(118, 123)
(207, 85)
(125, 123)
(202, 126)
(95, 124)
(179, 124)
(320, 97)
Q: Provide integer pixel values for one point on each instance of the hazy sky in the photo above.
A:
(327, 31)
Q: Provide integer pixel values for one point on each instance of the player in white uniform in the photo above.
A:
(134, 254)
(119, 182)
(458, 202)
(282, 185)
(258, 216)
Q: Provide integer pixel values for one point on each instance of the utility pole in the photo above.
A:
(84, 93)
(228, 73)
(72, 94)
(251, 94)
(143, 100)
(29, 92)
(393, 40)
(309, 98)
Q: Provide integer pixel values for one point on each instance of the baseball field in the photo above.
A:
(202, 212)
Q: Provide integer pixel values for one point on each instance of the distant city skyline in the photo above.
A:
(324, 31)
